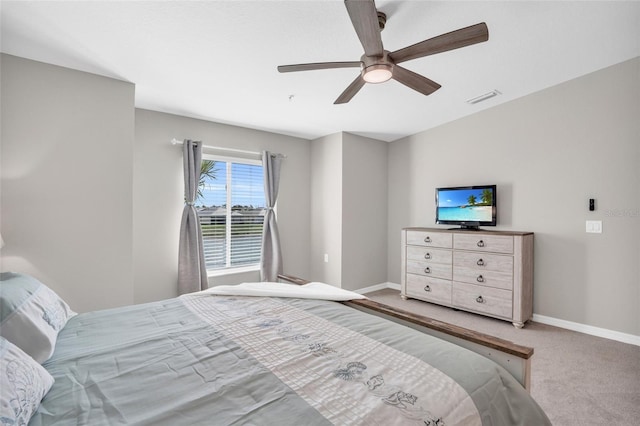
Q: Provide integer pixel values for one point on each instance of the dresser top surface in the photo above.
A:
(467, 231)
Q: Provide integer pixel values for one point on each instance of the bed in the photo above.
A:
(224, 359)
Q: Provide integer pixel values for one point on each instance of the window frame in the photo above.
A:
(229, 270)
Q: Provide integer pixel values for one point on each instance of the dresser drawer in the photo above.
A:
(492, 301)
(430, 289)
(427, 254)
(483, 261)
(430, 269)
(430, 239)
(484, 243)
(493, 279)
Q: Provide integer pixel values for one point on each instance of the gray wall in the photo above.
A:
(326, 209)
(158, 197)
(548, 153)
(348, 210)
(91, 189)
(66, 181)
(364, 212)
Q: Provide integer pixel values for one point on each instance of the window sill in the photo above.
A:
(233, 270)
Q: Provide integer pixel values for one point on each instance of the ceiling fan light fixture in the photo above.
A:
(377, 73)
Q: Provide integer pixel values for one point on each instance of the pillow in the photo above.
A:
(314, 290)
(23, 384)
(31, 315)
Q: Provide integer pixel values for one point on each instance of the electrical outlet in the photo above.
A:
(326, 257)
(594, 226)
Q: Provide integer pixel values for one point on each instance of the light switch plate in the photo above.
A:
(594, 226)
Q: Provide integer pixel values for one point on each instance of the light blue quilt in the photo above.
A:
(229, 360)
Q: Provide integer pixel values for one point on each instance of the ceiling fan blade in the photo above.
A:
(415, 81)
(442, 43)
(350, 91)
(364, 18)
(319, 66)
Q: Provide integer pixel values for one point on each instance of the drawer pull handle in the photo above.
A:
(427, 270)
(480, 279)
(480, 262)
(427, 239)
(480, 243)
(479, 299)
(427, 256)
(427, 287)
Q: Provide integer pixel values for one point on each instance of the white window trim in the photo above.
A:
(228, 159)
(232, 270)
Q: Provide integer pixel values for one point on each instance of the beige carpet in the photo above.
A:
(577, 379)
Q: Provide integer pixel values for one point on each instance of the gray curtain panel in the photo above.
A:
(192, 272)
(271, 261)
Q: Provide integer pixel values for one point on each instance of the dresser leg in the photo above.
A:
(518, 324)
(403, 297)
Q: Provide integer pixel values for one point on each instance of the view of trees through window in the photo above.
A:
(231, 208)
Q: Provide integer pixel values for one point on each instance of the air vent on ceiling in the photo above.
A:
(484, 97)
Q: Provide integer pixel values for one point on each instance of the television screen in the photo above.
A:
(466, 206)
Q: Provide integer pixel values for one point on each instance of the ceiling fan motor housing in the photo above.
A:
(376, 69)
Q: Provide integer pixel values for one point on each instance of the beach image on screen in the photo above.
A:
(468, 205)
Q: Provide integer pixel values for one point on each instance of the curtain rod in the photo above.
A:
(175, 141)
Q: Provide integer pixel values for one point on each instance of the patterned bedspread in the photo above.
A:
(203, 359)
(348, 377)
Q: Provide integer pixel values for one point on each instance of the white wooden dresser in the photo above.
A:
(486, 272)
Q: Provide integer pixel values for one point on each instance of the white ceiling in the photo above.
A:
(217, 60)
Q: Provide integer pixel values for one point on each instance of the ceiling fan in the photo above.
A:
(378, 65)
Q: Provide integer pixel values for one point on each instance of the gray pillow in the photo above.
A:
(23, 382)
(31, 314)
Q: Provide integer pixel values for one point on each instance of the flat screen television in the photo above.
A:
(466, 206)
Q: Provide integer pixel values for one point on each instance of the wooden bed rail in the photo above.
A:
(513, 357)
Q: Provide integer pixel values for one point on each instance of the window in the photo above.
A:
(231, 208)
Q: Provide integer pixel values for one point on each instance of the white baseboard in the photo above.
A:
(588, 329)
(377, 287)
(569, 325)
(393, 286)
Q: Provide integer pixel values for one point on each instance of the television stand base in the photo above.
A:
(465, 228)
